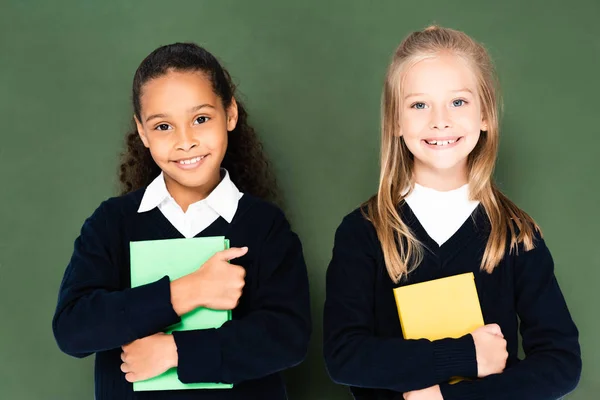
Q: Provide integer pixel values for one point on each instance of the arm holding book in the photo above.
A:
(552, 363)
(93, 312)
(272, 336)
(354, 355)
(217, 285)
(490, 348)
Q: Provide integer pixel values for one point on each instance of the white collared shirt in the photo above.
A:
(221, 202)
(441, 213)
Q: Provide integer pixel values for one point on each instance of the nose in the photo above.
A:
(186, 139)
(440, 119)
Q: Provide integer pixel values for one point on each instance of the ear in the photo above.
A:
(398, 131)
(484, 125)
(232, 115)
(141, 132)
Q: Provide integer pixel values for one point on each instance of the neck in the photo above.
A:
(441, 180)
(184, 196)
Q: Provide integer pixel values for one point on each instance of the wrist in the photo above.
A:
(184, 295)
(172, 357)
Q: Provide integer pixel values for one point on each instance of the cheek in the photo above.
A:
(159, 148)
(473, 140)
(411, 136)
(471, 128)
(470, 122)
(216, 141)
(412, 125)
(413, 145)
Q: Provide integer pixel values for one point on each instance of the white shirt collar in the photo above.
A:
(432, 195)
(223, 199)
(441, 213)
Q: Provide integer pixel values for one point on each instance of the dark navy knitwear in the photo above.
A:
(363, 343)
(98, 311)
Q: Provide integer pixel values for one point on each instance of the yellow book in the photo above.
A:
(441, 308)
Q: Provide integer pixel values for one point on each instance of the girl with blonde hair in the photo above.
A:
(438, 213)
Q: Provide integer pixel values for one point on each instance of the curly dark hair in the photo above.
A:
(245, 159)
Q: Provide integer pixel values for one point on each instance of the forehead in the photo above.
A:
(439, 74)
(176, 90)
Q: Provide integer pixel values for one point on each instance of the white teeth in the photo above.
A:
(191, 161)
(440, 142)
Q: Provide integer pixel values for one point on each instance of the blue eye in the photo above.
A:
(201, 120)
(418, 106)
(162, 127)
(458, 102)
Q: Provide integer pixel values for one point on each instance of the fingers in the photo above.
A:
(237, 271)
(494, 329)
(241, 272)
(230, 254)
(125, 368)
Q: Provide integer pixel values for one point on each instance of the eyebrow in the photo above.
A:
(453, 91)
(191, 110)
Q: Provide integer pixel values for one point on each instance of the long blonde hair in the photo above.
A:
(401, 249)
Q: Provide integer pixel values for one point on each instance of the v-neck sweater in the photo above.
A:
(98, 311)
(363, 343)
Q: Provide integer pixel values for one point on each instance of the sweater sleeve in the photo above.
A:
(272, 336)
(552, 365)
(354, 355)
(93, 313)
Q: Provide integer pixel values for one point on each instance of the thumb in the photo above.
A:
(494, 329)
(230, 254)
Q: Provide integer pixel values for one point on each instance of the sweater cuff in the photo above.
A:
(199, 356)
(461, 391)
(149, 308)
(454, 357)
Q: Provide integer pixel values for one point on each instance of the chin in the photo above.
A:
(191, 181)
(446, 165)
(187, 178)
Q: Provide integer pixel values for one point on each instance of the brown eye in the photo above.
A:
(201, 120)
(162, 127)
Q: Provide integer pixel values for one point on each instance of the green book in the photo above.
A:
(153, 259)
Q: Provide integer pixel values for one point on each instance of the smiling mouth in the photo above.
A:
(190, 161)
(441, 142)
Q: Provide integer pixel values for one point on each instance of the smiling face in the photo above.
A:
(184, 125)
(440, 118)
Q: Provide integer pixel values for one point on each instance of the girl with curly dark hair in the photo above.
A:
(193, 167)
(245, 160)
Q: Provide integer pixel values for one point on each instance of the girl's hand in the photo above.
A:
(217, 284)
(490, 347)
(148, 357)
(220, 283)
(431, 393)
